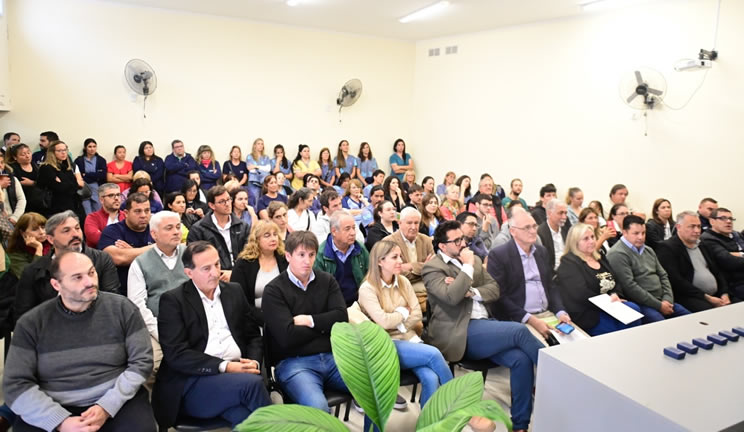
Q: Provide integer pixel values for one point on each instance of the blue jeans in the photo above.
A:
(232, 396)
(7, 414)
(651, 315)
(303, 379)
(92, 205)
(509, 344)
(427, 363)
(608, 324)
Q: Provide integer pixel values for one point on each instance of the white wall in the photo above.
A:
(4, 71)
(541, 102)
(221, 81)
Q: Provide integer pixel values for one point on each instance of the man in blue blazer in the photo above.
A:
(524, 275)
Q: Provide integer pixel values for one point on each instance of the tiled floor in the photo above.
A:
(497, 388)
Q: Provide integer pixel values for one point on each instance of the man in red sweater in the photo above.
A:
(109, 213)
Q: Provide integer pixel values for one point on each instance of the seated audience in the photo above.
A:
(393, 193)
(431, 217)
(343, 257)
(196, 177)
(64, 233)
(376, 196)
(553, 231)
(504, 235)
(109, 213)
(585, 273)
(597, 206)
(302, 166)
(100, 387)
(488, 225)
(522, 270)
(145, 176)
(299, 216)
(428, 185)
(385, 224)
(156, 272)
(449, 179)
(660, 227)
(277, 212)
(367, 163)
(178, 164)
(461, 327)
(469, 227)
(241, 207)
(602, 235)
(547, 193)
(126, 240)
(312, 182)
(236, 166)
(330, 202)
(451, 205)
(618, 195)
(574, 201)
(27, 243)
(208, 370)
(270, 193)
(644, 280)
(194, 203)
(706, 207)
(416, 250)
(300, 307)
(415, 196)
(222, 229)
(345, 162)
(328, 170)
(176, 202)
(618, 212)
(13, 199)
(146, 160)
(261, 260)
(514, 192)
(697, 283)
(353, 200)
(378, 178)
(144, 186)
(487, 187)
(727, 249)
(389, 300)
(462, 182)
(409, 179)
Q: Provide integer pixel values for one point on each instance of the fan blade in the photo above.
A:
(146, 74)
(654, 91)
(639, 78)
(633, 96)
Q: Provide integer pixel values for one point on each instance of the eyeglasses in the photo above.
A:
(224, 201)
(456, 241)
(725, 218)
(111, 195)
(486, 204)
(471, 223)
(532, 227)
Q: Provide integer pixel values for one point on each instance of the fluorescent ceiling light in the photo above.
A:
(595, 5)
(425, 12)
(293, 2)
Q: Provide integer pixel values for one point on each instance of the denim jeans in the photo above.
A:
(509, 344)
(232, 396)
(427, 363)
(303, 379)
(651, 315)
(608, 324)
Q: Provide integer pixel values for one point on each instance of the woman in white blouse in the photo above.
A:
(299, 216)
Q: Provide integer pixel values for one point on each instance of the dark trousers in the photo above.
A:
(232, 396)
(135, 415)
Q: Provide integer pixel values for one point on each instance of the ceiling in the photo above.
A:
(380, 17)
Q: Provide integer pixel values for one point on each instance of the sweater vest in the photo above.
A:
(158, 278)
(345, 278)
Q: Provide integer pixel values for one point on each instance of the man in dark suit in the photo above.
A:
(211, 347)
(696, 280)
(522, 270)
(554, 230)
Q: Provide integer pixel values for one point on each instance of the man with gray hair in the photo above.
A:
(109, 213)
(64, 233)
(156, 272)
(343, 256)
(553, 231)
(696, 281)
(416, 250)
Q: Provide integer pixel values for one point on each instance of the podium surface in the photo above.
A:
(623, 382)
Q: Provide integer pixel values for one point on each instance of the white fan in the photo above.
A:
(643, 88)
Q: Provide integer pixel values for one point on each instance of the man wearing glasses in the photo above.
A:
(109, 213)
(220, 228)
(727, 248)
(460, 324)
(488, 226)
(522, 269)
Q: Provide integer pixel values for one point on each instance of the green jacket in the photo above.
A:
(326, 262)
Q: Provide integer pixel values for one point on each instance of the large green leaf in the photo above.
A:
(291, 418)
(368, 362)
(455, 421)
(457, 394)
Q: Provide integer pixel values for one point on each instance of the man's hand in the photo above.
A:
(95, 416)
(406, 267)
(76, 424)
(486, 223)
(467, 256)
(243, 366)
(715, 301)
(666, 308)
(725, 299)
(303, 320)
(541, 326)
(121, 244)
(449, 279)
(564, 318)
(225, 275)
(469, 294)
(614, 298)
(429, 257)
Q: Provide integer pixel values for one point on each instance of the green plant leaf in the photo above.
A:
(455, 421)
(459, 393)
(368, 362)
(290, 418)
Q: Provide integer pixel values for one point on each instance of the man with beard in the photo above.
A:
(78, 361)
(64, 233)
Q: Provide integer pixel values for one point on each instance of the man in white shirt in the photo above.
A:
(212, 373)
(552, 233)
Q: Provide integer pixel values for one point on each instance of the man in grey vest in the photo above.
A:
(156, 271)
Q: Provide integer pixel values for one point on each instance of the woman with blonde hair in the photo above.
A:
(409, 179)
(258, 165)
(57, 176)
(236, 166)
(574, 200)
(260, 261)
(583, 274)
(209, 168)
(452, 206)
(388, 299)
(449, 179)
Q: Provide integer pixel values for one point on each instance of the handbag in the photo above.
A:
(84, 192)
(46, 198)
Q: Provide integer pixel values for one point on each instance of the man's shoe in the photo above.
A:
(358, 408)
(400, 403)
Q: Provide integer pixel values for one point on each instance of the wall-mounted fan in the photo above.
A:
(643, 89)
(349, 94)
(141, 79)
